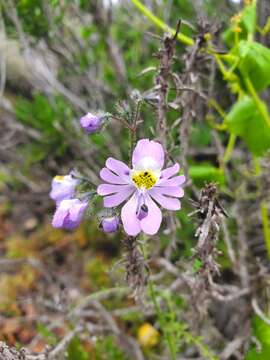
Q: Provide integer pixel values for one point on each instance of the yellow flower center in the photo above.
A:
(59, 178)
(144, 179)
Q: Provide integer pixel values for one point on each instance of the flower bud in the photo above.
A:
(110, 224)
(63, 187)
(69, 213)
(91, 123)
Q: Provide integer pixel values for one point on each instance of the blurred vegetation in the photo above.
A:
(91, 58)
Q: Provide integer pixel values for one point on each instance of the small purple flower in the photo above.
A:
(145, 185)
(69, 213)
(110, 224)
(91, 123)
(63, 187)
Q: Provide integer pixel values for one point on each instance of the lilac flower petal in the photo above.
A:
(142, 213)
(148, 149)
(69, 224)
(116, 199)
(63, 187)
(128, 215)
(69, 213)
(77, 211)
(59, 217)
(151, 223)
(62, 212)
(166, 202)
(118, 167)
(175, 181)
(111, 178)
(142, 210)
(175, 191)
(107, 189)
(170, 171)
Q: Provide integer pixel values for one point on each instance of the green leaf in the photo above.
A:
(76, 351)
(262, 332)
(254, 354)
(254, 63)
(245, 121)
(206, 173)
(249, 18)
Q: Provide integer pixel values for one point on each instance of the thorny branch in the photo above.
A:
(165, 56)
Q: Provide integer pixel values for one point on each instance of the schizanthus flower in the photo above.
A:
(110, 224)
(91, 123)
(69, 213)
(63, 187)
(69, 210)
(144, 185)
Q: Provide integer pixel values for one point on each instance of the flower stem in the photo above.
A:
(162, 321)
(160, 318)
(258, 102)
(229, 148)
(266, 225)
(264, 211)
(162, 25)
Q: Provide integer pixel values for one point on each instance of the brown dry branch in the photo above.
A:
(165, 56)
(210, 213)
(9, 353)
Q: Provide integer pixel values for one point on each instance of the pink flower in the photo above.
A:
(144, 185)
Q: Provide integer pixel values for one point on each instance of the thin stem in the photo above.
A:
(215, 105)
(162, 25)
(264, 210)
(229, 148)
(160, 318)
(266, 225)
(158, 310)
(122, 121)
(132, 140)
(260, 105)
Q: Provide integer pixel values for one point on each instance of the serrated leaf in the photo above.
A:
(245, 121)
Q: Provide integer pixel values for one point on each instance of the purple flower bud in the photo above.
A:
(91, 123)
(110, 224)
(69, 213)
(63, 187)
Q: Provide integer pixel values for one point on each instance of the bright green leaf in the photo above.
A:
(245, 121)
(206, 173)
(249, 18)
(254, 63)
(262, 333)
